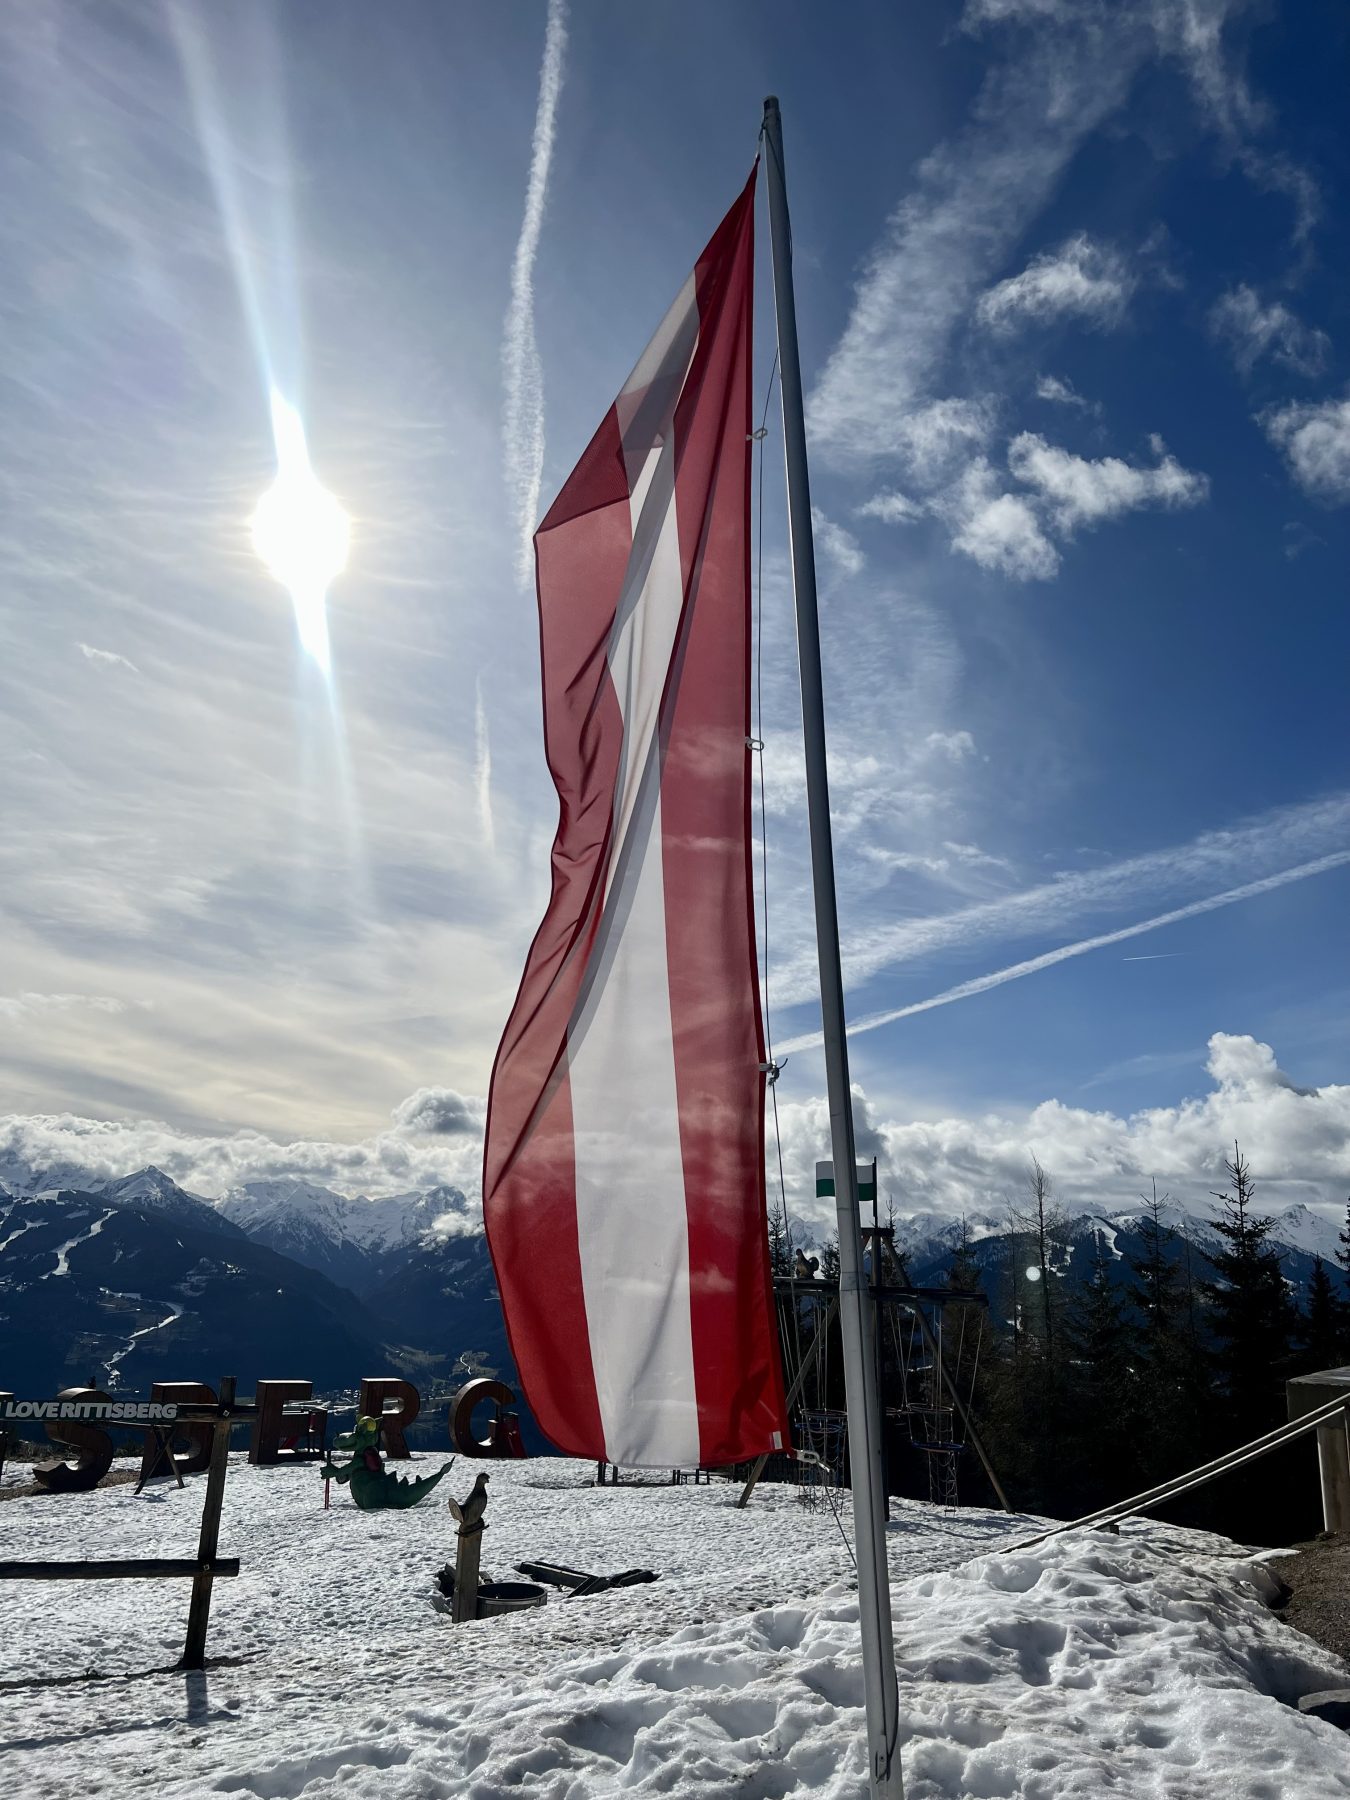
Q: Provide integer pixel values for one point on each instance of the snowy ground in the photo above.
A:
(1139, 1665)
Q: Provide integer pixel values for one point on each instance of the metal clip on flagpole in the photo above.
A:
(855, 1301)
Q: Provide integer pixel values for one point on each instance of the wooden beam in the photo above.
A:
(118, 1568)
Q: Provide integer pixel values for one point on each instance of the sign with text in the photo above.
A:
(113, 1412)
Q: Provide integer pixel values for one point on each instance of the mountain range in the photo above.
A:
(929, 1241)
(135, 1279)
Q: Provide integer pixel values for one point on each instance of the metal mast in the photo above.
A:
(856, 1305)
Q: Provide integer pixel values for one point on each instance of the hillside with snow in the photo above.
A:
(1143, 1665)
(137, 1280)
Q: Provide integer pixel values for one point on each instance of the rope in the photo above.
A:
(757, 744)
(829, 1495)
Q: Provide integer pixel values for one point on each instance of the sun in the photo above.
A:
(301, 532)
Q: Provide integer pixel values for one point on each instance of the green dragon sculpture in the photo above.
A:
(374, 1486)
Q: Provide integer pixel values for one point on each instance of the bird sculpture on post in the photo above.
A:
(468, 1515)
(373, 1486)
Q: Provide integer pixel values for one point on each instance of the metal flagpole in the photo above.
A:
(855, 1301)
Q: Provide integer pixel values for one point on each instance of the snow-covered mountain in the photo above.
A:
(1312, 1232)
(151, 1191)
(277, 1274)
(136, 1287)
(1298, 1234)
(347, 1238)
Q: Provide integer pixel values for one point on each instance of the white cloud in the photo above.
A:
(891, 508)
(947, 860)
(108, 659)
(839, 545)
(1061, 393)
(998, 530)
(523, 425)
(1083, 278)
(1298, 1142)
(958, 745)
(1252, 331)
(1315, 439)
(66, 1149)
(438, 1112)
(455, 1225)
(1083, 491)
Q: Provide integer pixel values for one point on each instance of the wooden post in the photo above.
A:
(199, 1613)
(468, 1553)
(1305, 1393)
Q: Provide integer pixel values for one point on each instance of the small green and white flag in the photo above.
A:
(867, 1182)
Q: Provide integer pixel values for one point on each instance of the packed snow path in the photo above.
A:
(1139, 1665)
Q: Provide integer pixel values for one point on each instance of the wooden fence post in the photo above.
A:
(199, 1613)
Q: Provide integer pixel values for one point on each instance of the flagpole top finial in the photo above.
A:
(770, 103)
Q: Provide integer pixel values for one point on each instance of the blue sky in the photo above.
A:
(1072, 293)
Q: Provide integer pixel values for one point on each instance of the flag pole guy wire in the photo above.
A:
(855, 1299)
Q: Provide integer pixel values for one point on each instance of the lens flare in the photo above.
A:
(301, 532)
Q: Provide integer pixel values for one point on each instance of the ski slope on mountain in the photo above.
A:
(1139, 1665)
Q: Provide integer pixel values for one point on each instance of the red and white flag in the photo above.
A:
(623, 1180)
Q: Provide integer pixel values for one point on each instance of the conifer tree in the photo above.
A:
(1029, 1397)
(1322, 1332)
(1252, 1318)
(1102, 1439)
(829, 1258)
(1157, 1293)
(1170, 1388)
(780, 1241)
(963, 1274)
(1343, 1254)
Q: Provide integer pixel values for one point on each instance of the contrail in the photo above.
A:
(1033, 966)
(1254, 847)
(522, 375)
(482, 766)
(1157, 956)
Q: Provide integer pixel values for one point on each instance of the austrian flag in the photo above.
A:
(623, 1179)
